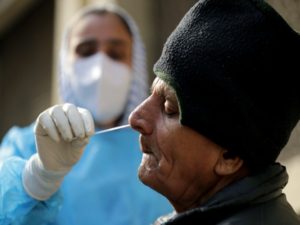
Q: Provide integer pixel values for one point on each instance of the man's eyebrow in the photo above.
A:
(163, 90)
(153, 85)
(157, 88)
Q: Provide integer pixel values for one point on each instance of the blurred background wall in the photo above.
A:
(30, 33)
(26, 59)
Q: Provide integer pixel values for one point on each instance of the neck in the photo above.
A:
(202, 196)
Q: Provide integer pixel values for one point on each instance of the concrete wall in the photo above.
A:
(26, 65)
(288, 9)
(156, 19)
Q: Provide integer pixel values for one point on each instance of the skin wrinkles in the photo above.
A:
(190, 203)
(165, 173)
(178, 162)
(158, 94)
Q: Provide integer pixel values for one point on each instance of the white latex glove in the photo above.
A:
(61, 133)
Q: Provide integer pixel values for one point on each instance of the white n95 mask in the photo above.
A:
(101, 85)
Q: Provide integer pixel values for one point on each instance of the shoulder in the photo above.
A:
(19, 141)
(17, 130)
(274, 212)
(19, 133)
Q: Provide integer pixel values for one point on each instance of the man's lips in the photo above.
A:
(144, 146)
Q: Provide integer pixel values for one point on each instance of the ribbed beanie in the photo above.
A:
(234, 65)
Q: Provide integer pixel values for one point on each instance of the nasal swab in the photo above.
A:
(112, 129)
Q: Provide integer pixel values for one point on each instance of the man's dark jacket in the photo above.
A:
(253, 200)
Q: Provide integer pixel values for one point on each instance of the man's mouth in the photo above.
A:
(144, 146)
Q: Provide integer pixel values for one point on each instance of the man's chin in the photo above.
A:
(147, 178)
(147, 170)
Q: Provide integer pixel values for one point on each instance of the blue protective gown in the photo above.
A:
(102, 188)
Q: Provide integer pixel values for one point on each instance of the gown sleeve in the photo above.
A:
(16, 206)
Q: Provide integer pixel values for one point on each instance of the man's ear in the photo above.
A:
(228, 164)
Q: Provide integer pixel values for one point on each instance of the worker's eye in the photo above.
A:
(116, 54)
(86, 49)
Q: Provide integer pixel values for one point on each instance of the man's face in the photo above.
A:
(177, 161)
(101, 33)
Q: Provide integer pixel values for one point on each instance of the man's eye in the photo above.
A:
(170, 110)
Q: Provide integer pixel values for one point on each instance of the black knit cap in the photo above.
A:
(234, 65)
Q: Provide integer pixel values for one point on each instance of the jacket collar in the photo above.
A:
(248, 191)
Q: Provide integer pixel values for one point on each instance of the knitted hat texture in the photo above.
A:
(234, 65)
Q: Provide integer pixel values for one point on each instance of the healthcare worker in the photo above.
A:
(102, 68)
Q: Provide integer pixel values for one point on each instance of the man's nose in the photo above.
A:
(140, 119)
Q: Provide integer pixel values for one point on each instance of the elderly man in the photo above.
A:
(223, 105)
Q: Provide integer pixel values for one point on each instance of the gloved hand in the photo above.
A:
(61, 133)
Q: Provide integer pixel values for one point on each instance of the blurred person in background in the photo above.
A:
(103, 69)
